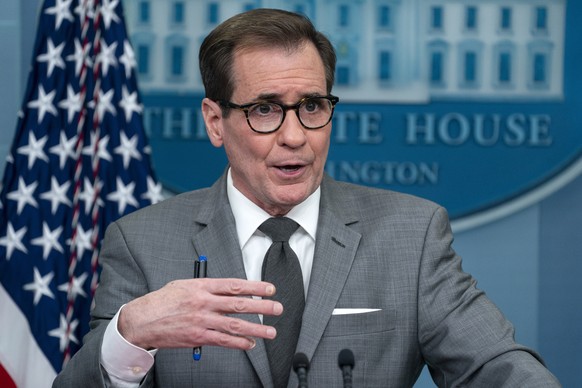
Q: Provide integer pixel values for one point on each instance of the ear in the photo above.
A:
(212, 114)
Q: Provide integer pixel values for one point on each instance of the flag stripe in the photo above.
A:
(31, 368)
(5, 379)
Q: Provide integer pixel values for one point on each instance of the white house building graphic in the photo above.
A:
(408, 51)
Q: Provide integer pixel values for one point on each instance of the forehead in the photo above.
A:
(278, 72)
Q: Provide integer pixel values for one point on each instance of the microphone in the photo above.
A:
(346, 363)
(301, 366)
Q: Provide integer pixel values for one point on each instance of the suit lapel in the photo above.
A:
(218, 241)
(335, 248)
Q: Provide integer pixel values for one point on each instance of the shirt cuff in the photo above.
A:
(121, 359)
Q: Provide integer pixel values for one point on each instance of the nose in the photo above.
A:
(291, 133)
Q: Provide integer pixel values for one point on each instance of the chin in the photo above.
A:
(292, 198)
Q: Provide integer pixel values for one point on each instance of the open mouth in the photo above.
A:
(290, 168)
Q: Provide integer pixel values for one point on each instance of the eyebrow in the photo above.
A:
(268, 97)
(277, 97)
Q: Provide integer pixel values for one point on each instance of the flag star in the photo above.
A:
(40, 286)
(34, 149)
(85, 9)
(106, 56)
(44, 103)
(82, 241)
(108, 12)
(61, 10)
(23, 195)
(61, 333)
(104, 104)
(128, 58)
(57, 194)
(88, 195)
(154, 193)
(129, 103)
(52, 56)
(76, 286)
(72, 103)
(123, 195)
(49, 240)
(65, 149)
(80, 56)
(13, 240)
(128, 149)
(102, 151)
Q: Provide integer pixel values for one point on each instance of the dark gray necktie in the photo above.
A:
(281, 267)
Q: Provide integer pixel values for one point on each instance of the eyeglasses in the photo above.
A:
(267, 117)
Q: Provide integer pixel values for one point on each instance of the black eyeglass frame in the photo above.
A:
(245, 108)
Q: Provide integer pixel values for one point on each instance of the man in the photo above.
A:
(378, 272)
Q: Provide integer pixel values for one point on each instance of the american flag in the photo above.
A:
(79, 160)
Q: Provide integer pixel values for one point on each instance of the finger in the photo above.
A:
(239, 287)
(217, 338)
(242, 305)
(241, 328)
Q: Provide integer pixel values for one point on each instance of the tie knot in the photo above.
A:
(279, 228)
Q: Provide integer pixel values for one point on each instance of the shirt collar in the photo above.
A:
(248, 216)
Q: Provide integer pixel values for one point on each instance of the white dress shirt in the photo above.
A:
(254, 244)
(124, 365)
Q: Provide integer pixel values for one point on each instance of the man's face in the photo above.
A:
(277, 170)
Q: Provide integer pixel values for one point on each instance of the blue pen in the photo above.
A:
(199, 273)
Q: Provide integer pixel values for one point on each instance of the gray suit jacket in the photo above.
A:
(374, 249)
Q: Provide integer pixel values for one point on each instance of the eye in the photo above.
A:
(312, 105)
(265, 109)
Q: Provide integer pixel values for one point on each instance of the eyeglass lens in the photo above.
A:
(313, 113)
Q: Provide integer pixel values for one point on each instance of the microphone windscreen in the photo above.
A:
(346, 358)
(300, 360)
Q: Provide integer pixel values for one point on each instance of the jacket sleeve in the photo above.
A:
(121, 281)
(464, 338)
